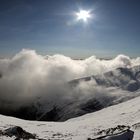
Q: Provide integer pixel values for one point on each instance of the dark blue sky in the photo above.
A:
(47, 26)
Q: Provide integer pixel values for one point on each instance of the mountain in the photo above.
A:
(124, 78)
(63, 112)
(110, 88)
(118, 122)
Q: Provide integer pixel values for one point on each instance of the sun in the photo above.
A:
(83, 15)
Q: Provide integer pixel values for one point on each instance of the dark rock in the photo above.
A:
(124, 135)
(18, 132)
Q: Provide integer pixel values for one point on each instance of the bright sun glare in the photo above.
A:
(83, 15)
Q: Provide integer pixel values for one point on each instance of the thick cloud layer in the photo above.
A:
(28, 76)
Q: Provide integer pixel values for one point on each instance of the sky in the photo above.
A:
(50, 27)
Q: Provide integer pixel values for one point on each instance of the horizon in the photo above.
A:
(73, 58)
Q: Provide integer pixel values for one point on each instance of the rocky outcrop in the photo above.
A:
(124, 135)
(19, 133)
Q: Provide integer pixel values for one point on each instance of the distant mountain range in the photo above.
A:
(124, 78)
(120, 79)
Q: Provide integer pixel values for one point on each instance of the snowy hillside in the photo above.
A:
(121, 116)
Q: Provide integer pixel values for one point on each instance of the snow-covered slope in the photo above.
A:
(81, 128)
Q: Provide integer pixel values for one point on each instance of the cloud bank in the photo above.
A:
(28, 76)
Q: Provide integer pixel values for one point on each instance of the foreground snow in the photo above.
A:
(81, 128)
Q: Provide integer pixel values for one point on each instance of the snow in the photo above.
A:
(81, 128)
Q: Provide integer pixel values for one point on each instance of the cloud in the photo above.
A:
(28, 76)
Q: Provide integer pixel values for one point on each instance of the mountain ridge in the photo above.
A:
(120, 80)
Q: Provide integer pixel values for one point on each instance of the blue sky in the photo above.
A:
(47, 27)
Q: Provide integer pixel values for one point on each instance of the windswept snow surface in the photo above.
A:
(81, 128)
